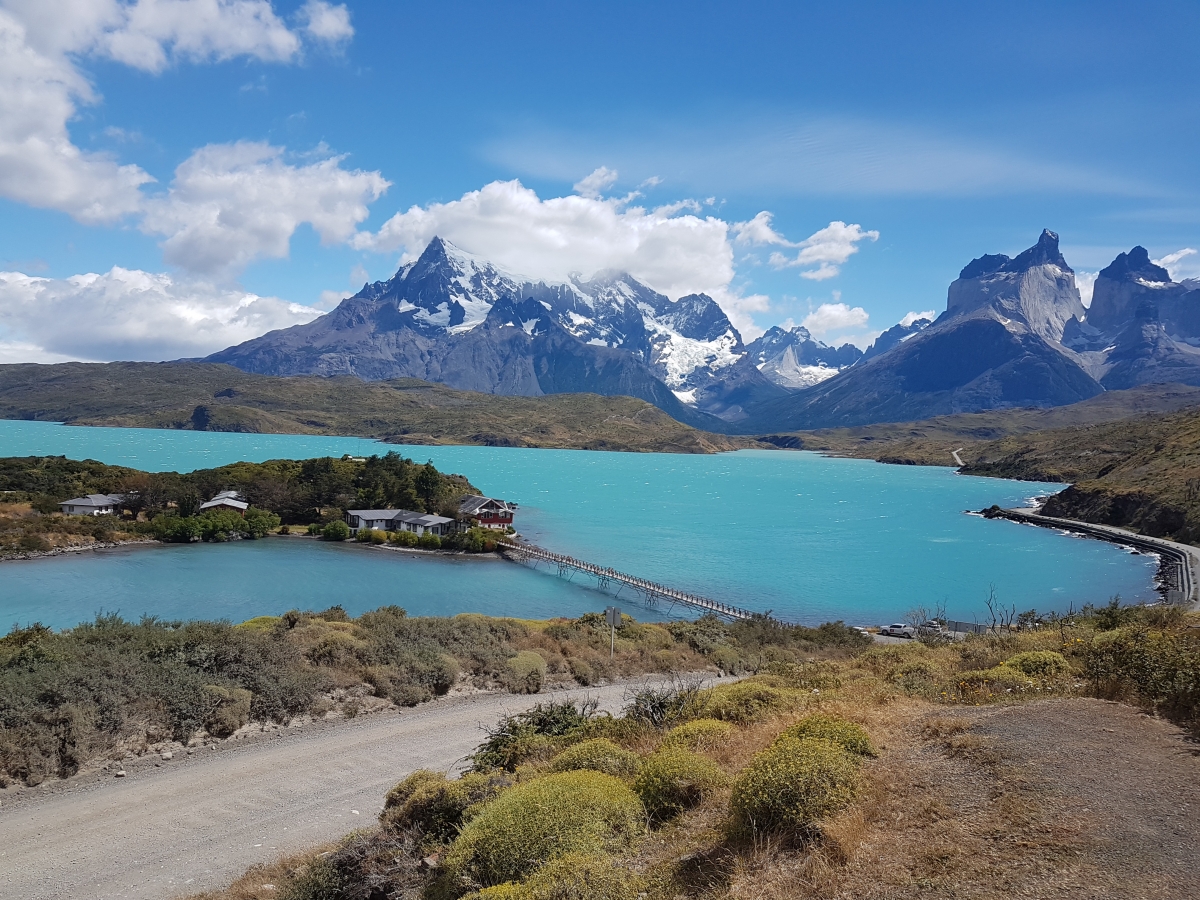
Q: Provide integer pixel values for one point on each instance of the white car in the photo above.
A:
(898, 629)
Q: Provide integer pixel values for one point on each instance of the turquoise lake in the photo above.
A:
(811, 539)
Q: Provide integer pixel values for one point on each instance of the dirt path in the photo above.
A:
(1056, 800)
(197, 822)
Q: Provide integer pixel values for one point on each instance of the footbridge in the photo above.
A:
(651, 592)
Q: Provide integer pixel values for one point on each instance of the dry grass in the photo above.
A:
(264, 882)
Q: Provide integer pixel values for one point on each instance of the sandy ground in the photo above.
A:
(197, 822)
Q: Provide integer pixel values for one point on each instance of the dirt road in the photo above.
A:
(197, 822)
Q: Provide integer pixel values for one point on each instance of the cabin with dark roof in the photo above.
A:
(93, 505)
(399, 520)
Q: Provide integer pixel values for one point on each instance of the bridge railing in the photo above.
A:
(605, 574)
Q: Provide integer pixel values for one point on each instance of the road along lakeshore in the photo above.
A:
(1179, 570)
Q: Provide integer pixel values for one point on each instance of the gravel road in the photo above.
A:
(197, 822)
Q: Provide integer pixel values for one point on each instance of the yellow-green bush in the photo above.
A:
(402, 539)
(231, 709)
(698, 735)
(576, 876)
(430, 808)
(523, 673)
(792, 784)
(884, 661)
(850, 737)
(598, 755)
(542, 820)
(1039, 663)
(746, 701)
(673, 780)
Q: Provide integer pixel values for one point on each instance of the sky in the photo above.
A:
(180, 175)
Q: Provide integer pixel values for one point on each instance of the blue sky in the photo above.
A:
(950, 130)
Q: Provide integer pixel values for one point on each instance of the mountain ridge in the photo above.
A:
(454, 318)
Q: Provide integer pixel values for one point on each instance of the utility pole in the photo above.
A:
(612, 615)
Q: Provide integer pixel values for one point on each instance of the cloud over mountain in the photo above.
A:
(130, 315)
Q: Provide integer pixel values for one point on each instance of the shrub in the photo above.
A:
(402, 539)
(661, 706)
(792, 784)
(258, 523)
(518, 737)
(542, 820)
(673, 780)
(745, 701)
(367, 536)
(1039, 663)
(429, 541)
(337, 530)
(599, 755)
(231, 709)
(985, 685)
(429, 808)
(315, 529)
(576, 876)
(850, 737)
(582, 671)
(524, 672)
(317, 881)
(699, 735)
(1161, 669)
(34, 542)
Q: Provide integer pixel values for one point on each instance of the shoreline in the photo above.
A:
(32, 555)
(1178, 564)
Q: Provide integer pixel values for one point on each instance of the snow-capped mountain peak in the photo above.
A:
(792, 359)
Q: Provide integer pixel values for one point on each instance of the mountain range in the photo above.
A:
(1015, 333)
(453, 318)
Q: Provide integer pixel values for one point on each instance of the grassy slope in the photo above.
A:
(930, 441)
(168, 395)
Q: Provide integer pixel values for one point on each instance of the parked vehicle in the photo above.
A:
(933, 626)
(898, 629)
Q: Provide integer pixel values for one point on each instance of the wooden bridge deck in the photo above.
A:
(652, 591)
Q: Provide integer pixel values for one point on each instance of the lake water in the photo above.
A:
(809, 538)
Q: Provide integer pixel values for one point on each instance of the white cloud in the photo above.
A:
(232, 203)
(326, 22)
(1086, 282)
(130, 314)
(759, 231)
(551, 239)
(39, 165)
(827, 249)
(41, 85)
(835, 317)
(1182, 264)
(911, 317)
(593, 185)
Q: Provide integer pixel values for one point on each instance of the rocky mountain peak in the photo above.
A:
(1133, 266)
(1044, 252)
(1035, 289)
(697, 316)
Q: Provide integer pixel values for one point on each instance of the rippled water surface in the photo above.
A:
(810, 538)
